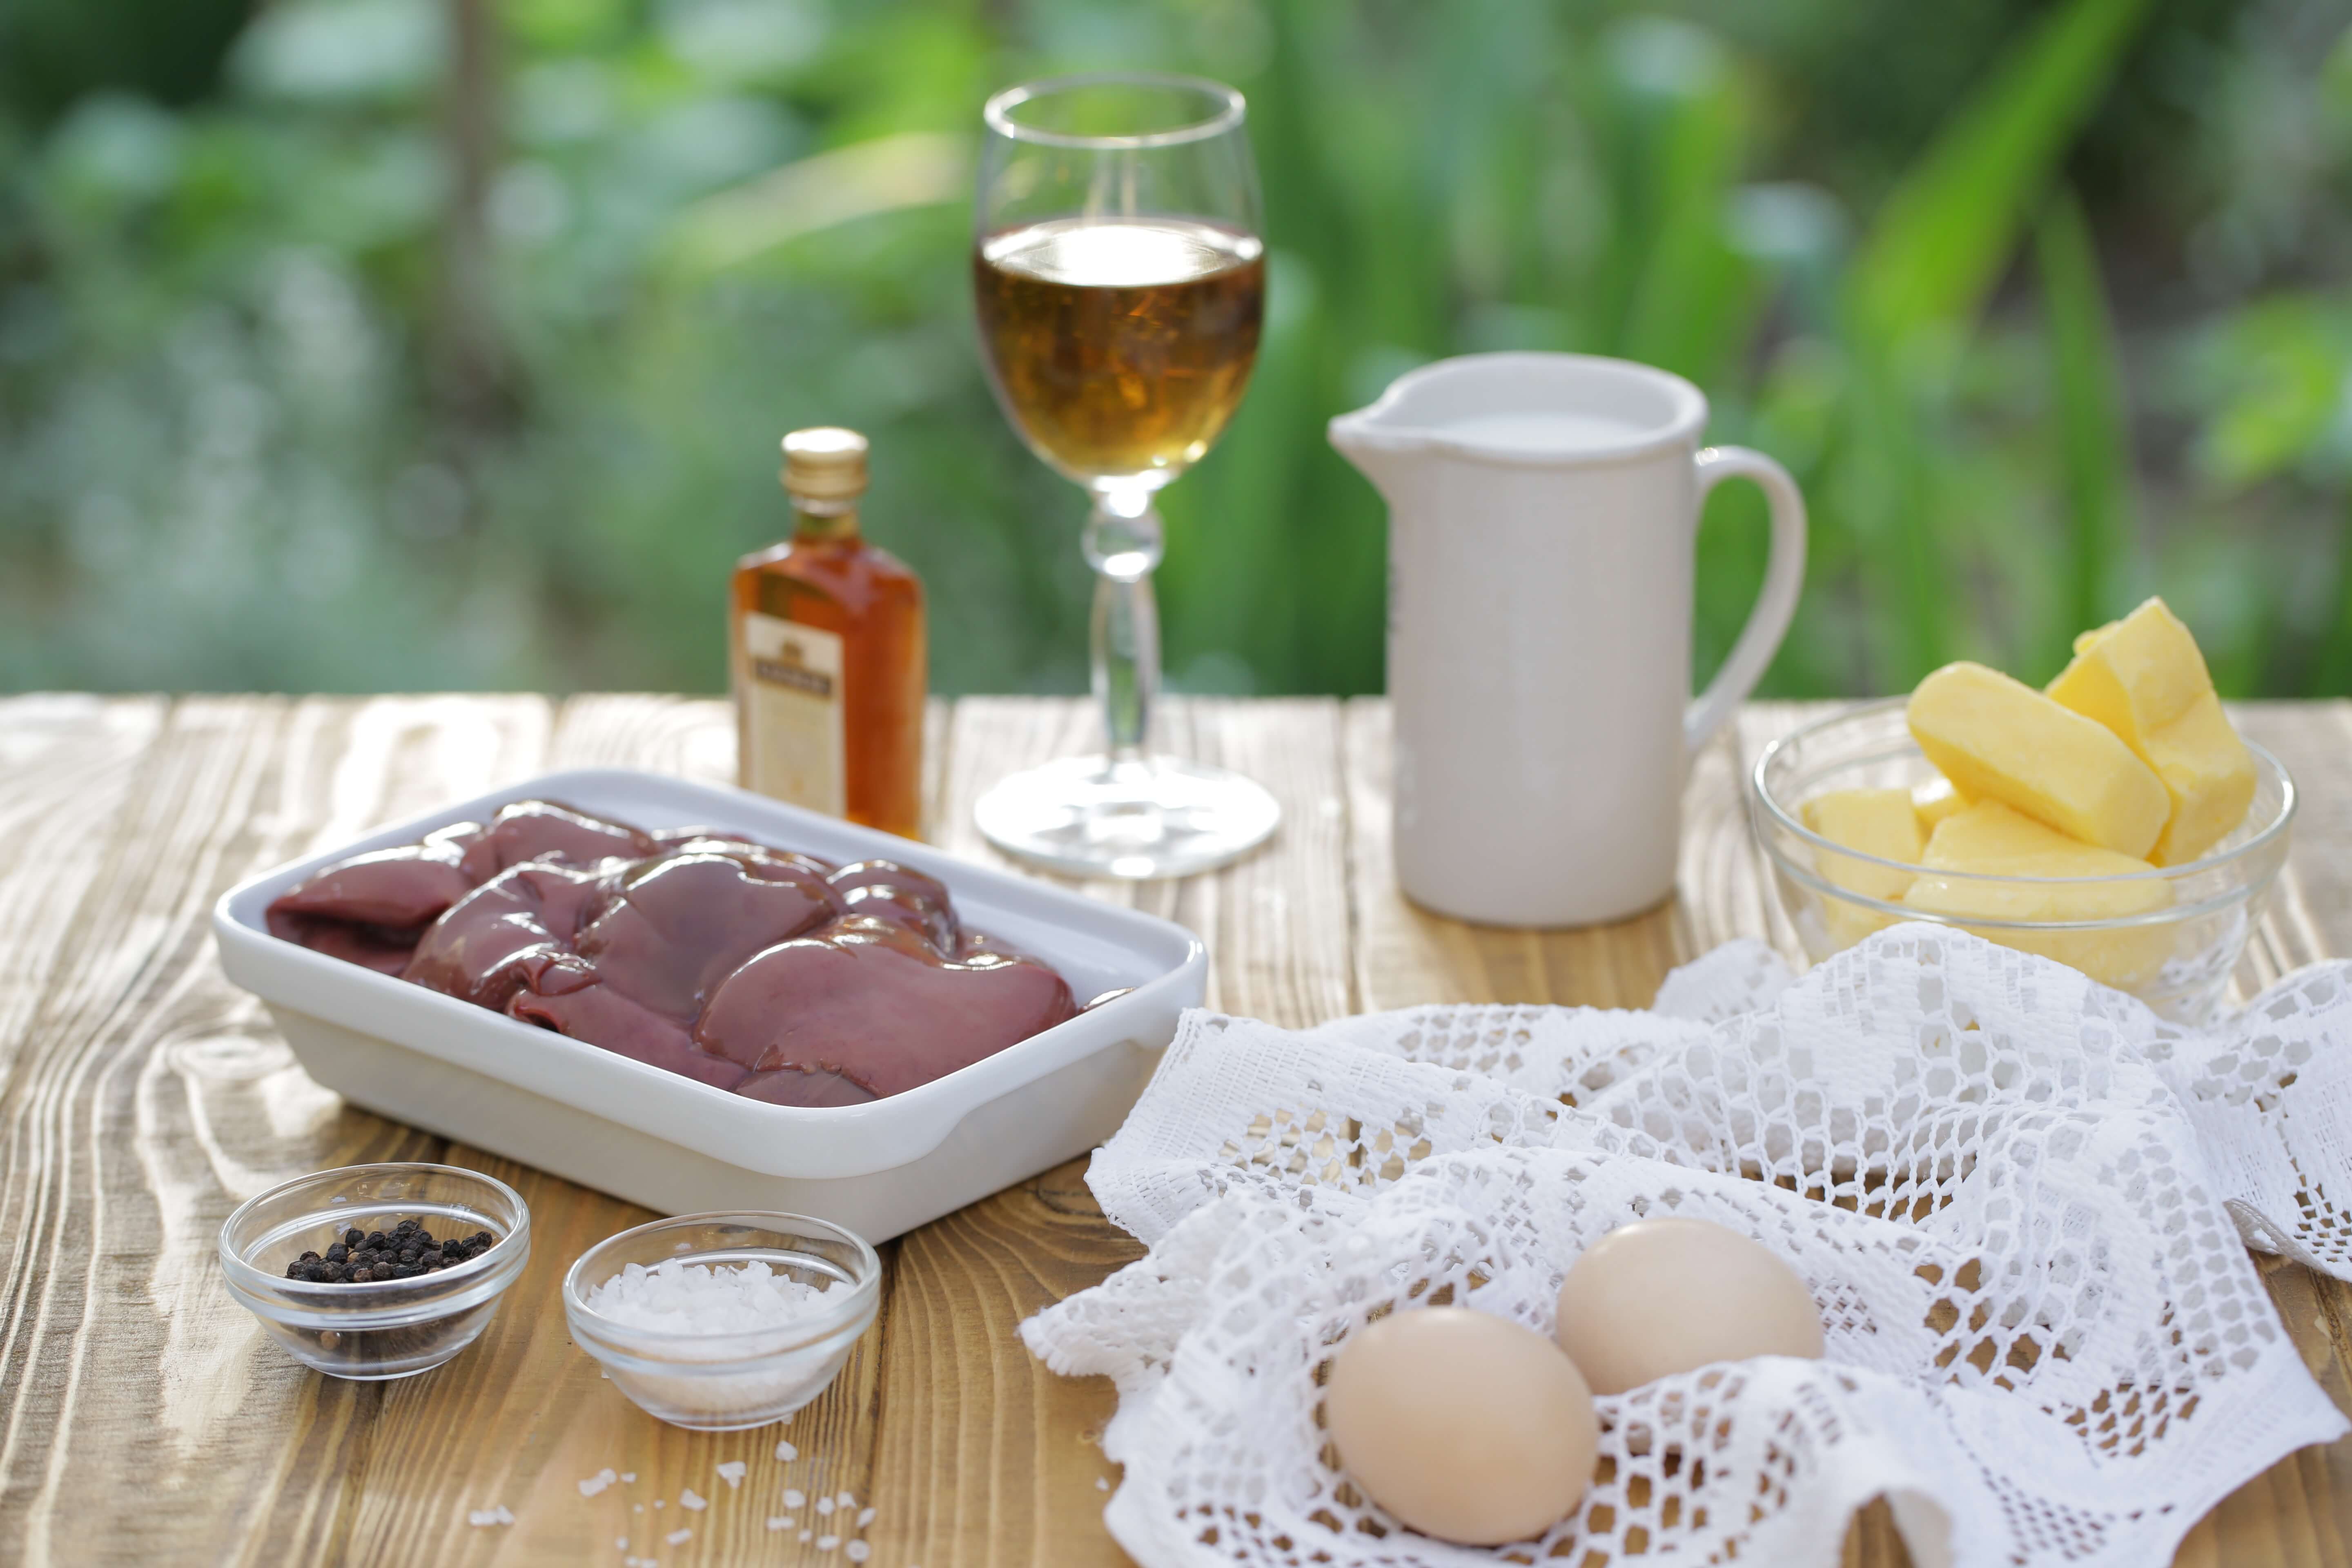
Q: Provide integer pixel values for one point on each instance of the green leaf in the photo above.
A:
(1942, 237)
(2094, 446)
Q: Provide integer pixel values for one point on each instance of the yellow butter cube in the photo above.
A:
(1933, 801)
(2210, 774)
(1998, 739)
(1879, 822)
(1989, 840)
(2144, 678)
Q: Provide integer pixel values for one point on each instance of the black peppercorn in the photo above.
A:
(409, 1251)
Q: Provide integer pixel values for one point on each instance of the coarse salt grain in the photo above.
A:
(487, 1516)
(847, 1500)
(786, 1452)
(827, 1542)
(676, 1297)
(597, 1483)
(865, 1517)
(1102, 1483)
(857, 1550)
(775, 1522)
(796, 1498)
(732, 1472)
(679, 1537)
(628, 1477)
(693, 1499)
(620, 1541)
(808, 1535)
(824, 1505)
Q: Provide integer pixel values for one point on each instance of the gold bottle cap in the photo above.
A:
(825, 464)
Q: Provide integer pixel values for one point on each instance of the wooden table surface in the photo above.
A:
(142, 1098)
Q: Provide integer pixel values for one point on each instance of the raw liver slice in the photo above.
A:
(541, 829)
(874, 1003)
(790, 1086)
(601, 1016)
(399, 888)
(484, 949)
(674, 928)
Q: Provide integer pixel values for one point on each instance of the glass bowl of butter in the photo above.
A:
(2169, 934)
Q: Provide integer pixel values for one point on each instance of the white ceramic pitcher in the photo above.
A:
(1543, 517)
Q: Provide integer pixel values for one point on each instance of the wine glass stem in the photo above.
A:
(1122, 545)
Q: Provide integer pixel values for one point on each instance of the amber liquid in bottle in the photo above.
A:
(826, 634)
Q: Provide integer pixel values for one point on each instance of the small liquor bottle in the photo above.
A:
(827, 642)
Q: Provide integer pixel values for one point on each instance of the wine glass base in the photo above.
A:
(1160, 816)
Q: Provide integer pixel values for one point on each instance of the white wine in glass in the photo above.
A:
(1120, 285)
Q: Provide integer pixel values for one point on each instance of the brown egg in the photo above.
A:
(1464, 1426)
(1662, 1295)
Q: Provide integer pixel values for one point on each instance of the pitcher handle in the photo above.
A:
(1784, 579)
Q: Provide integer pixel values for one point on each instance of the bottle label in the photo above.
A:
(792, 713)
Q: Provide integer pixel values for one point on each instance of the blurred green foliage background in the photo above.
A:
(372, 344)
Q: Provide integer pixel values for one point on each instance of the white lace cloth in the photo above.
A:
(2011, 1191)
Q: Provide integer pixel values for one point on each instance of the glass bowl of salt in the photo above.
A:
(722, 1321)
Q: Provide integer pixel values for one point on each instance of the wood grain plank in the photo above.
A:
(162, 1098)
(688, 737)
(68, 1124)
(986, 1460)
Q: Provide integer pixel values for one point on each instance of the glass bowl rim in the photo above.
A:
(248, 1281)
(1230, 111)
(864, 1295)
(1783, 819)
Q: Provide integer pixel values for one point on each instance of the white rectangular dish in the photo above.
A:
(682, 1147)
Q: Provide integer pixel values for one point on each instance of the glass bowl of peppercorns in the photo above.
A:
(373, 1272)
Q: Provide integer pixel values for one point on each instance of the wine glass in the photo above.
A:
(1120, 283)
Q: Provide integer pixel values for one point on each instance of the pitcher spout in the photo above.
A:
(1380, 452)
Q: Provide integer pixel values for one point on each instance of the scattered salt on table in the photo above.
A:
(597, 1483)
(693, 1499)
(794, 1497)
(827, 1542)
(679, 1537)
(824, 1505)
(628, 1475)
(485, 1516)
(847, 1500)
(865, 1517)
(774, 1523)
(786, 1452)
(858, 1551)
(732, 1472)
(674, 1297)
